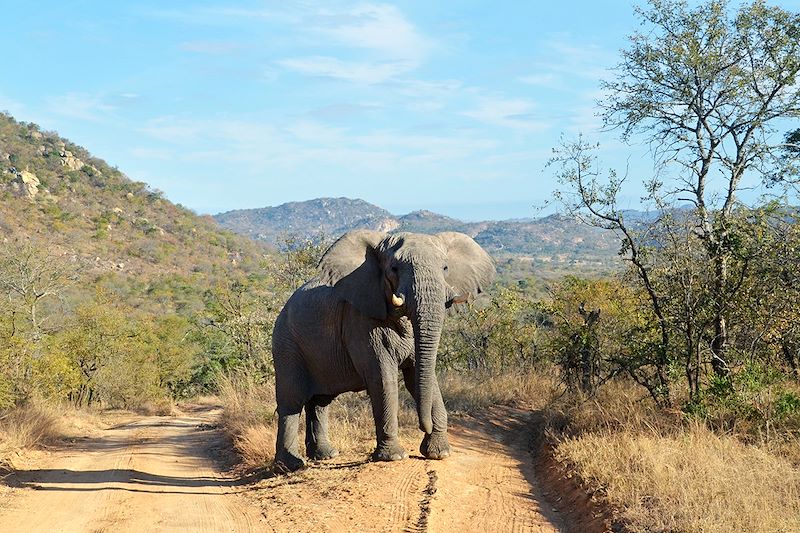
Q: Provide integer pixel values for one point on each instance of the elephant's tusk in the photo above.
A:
(397, 300)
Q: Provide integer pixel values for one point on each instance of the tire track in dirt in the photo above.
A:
(486, 485)
(152, 474)
(489, 484)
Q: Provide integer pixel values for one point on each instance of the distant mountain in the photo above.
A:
(322, 216)
(429, 222)
(550, 244)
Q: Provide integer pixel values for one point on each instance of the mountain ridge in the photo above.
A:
(544, 242)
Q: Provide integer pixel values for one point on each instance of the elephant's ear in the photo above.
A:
(469, 268)
(353, 267)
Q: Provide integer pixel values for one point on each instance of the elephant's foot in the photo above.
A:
(322, 451)
(391, 451)
(435, 446)
(286, 462)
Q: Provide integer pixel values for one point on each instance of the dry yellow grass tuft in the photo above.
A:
(160, 407)
(467, 393)
(28, 427)
(694, 481)
(249, 417)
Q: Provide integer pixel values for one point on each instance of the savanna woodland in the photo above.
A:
(669, 386)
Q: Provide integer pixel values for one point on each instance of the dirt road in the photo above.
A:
(155, 474)
(150, 474)
(486, 485)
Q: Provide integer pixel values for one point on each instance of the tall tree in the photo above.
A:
(707, 87)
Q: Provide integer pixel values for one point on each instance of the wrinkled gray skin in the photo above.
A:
(376, 309)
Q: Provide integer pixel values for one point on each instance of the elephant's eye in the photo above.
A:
(445, 268)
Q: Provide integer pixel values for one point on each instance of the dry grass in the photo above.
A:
(249, 418)
(161, 407)
(662, 472)
(696, 481)
(617, 406)
(467, 393)
(31, 426)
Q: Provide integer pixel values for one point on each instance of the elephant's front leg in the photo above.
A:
(434, 445)
(382, 388)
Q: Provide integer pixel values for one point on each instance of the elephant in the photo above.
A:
(375, 309)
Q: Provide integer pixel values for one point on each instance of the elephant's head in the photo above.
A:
(390, 275)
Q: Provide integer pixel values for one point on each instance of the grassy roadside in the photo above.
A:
(40, 424)
(658, 470)
(27, 427)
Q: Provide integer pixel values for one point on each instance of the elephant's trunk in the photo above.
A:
(427, 315)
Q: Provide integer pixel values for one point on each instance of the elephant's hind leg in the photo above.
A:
(291, 386)
(318, 446)
(287, 453)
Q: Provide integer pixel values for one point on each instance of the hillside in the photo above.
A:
(545, 245)
(82, 208)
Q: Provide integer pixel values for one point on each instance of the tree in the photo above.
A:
(707, 88)
(28, 277)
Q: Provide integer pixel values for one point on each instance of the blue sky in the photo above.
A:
(450, 106)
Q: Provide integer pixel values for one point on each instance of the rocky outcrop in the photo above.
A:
(26, 185)
(386, 225)
(70, 161)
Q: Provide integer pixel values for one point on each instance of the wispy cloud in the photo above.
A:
(378, 40)
(563, 59)
(352, 71)
(548, 79)
(218, 15)
(509, 113)
(343, 111)
(10, 105)
(159, 154)
(379, 28)
(81, 106)
(305, 142)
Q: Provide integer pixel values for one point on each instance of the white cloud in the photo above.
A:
(380, 44)
(377, 27)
